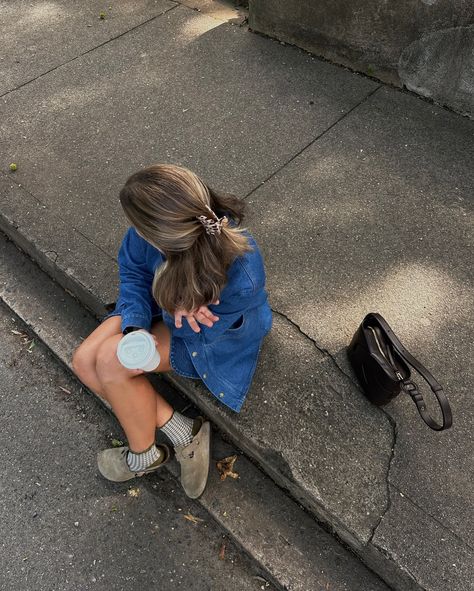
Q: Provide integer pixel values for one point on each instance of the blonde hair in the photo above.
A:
(163, 202)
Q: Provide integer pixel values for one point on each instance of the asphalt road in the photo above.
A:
(63, 527)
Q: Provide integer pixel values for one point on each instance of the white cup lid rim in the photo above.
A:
(136, 349)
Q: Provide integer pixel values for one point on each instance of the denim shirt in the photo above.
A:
(224, 356)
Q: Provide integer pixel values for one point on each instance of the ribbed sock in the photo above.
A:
(137, 462)
(179, 429)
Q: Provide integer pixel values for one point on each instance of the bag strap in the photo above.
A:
(410, 387)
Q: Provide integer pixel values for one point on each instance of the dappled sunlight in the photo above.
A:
(418, 300)
(75, 97)
(40, 12)
(196, 26)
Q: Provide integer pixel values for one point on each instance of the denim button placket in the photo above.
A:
(179, 372)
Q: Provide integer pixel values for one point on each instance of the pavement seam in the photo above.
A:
(46, 206)
(89, 50)
(313, 141)
(442, 525)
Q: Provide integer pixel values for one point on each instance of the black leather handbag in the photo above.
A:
(382, 366)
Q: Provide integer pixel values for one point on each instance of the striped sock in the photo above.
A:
(137, 462)
(179, 429)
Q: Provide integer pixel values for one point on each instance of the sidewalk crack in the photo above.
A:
(89, 51)
(387, 476)
(387, 415)
(280, 168)
(318, 347)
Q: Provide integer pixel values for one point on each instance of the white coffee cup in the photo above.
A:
(137, 350)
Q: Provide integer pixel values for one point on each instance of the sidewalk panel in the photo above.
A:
(183, 88)
(437, 558)
(42, 35)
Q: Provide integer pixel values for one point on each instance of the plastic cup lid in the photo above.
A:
(136, 349)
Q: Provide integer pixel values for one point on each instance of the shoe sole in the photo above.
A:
(207, 426)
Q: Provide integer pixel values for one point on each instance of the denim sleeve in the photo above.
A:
(135, 297)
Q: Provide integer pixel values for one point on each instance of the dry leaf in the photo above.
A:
(262, 580)
(192, 518)
(222, 551)
(19, 333)
(64, 390)
(226, 467)
(133, 492)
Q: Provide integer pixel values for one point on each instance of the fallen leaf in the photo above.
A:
(64, 390)
(116, 443)
(192, 518)
(225, 467)
(134, 492)
(19, 333)
(32, 345)
(222, 551)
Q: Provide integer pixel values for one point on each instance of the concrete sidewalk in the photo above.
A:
(359, 196)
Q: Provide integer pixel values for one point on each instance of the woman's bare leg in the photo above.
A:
(136, 404)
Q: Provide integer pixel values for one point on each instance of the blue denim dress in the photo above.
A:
(224, 356)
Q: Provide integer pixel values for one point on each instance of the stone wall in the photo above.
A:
(425, 45)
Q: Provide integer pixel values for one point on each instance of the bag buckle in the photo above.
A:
(412, 389)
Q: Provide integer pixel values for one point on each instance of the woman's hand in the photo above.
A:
(202, 315)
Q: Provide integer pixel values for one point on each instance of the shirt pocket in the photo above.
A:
(238, 325)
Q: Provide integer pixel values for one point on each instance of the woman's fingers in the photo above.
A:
(192, 323)
(204, 310)
(178, 318)
(202, 315)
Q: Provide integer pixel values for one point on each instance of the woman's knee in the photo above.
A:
(108, 367)
(83, 361)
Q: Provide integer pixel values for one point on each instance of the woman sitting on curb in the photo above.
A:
(195, 280)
